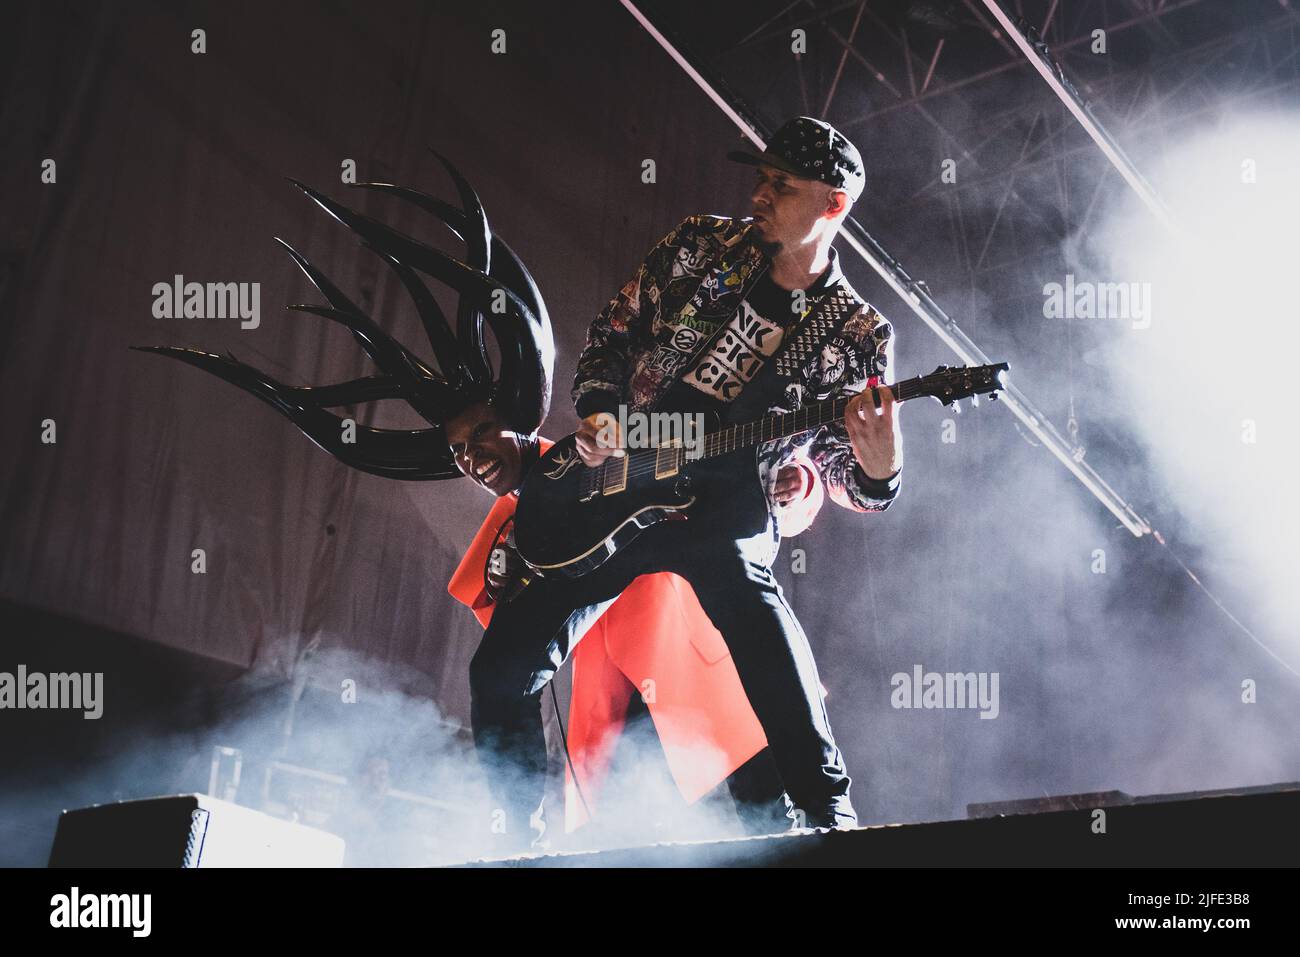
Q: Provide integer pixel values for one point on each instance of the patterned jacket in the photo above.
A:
(687, 289)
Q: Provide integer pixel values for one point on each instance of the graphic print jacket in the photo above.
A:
(687, 289)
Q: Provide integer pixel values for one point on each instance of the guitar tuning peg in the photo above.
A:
(956, 406)
(974, 401)
(993, 397)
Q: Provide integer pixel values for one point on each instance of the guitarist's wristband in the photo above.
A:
(877, 488)
(597, 400)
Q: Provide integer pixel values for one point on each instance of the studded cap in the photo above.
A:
(813, 149)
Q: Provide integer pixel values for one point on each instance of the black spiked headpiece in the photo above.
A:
(494, 288)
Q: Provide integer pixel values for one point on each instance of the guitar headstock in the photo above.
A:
(950, 384)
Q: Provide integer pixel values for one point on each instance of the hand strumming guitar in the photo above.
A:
(599, 438)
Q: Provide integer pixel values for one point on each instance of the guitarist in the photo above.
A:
(735, 317)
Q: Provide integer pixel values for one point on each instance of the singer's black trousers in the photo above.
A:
(530, 637)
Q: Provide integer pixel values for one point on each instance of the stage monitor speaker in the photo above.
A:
(187, 830)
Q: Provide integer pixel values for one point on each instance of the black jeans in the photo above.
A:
(530, 637)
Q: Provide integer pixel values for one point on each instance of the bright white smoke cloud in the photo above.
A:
(1210, 384)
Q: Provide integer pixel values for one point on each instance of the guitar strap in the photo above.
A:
(797, 354)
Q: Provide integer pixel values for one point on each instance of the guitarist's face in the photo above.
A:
(486, 449)
(790, 210)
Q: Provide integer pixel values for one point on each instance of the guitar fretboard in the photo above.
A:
(614, 473)
(806, 419)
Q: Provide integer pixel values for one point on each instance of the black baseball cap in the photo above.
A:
(813, 149)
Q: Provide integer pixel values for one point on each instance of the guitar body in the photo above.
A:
(563, 528)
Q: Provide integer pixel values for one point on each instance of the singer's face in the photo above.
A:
(486, 449)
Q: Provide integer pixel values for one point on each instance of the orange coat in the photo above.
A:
(655, 639)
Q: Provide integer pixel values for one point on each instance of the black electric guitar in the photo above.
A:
(572, 517)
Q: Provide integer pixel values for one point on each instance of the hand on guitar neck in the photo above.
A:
(872, 423)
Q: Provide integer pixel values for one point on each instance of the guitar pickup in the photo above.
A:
(667, 462)
(615, 475)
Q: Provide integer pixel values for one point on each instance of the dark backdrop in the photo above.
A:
(170, 162)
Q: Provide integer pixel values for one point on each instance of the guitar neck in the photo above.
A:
(666, 460)
(804, 420)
